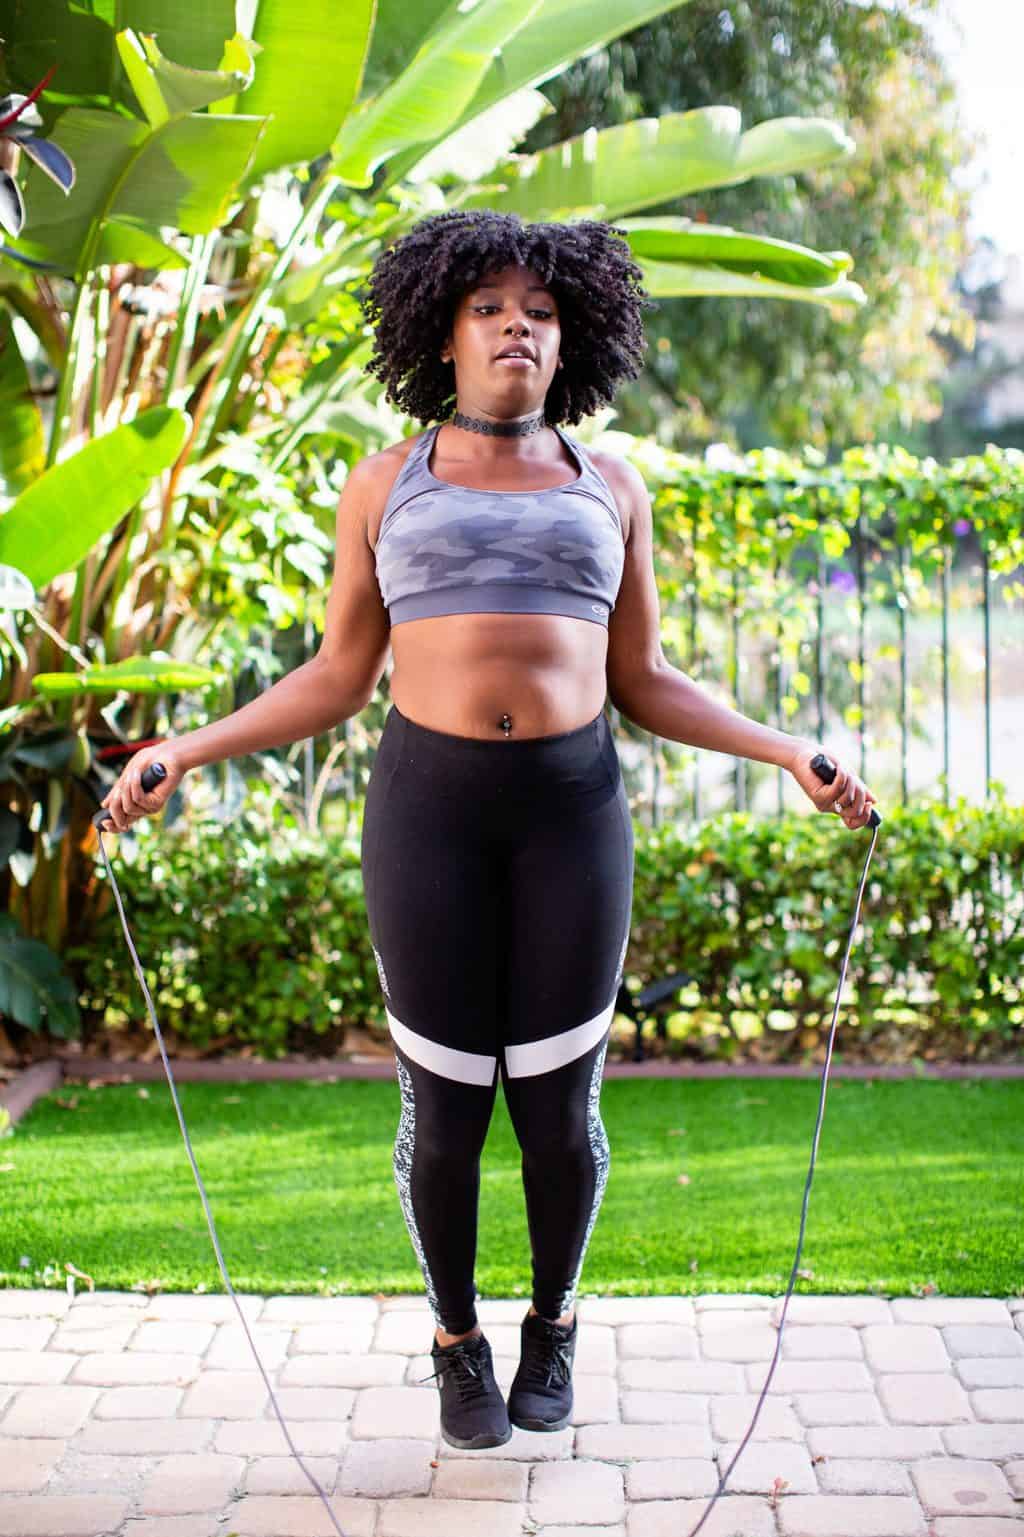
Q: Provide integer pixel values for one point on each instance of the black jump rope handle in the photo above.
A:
(151, 777)
(826, 771)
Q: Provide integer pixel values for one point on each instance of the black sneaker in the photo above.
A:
(473, 1411)
(540, 1397)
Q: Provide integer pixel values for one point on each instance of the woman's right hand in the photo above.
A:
(127, 801)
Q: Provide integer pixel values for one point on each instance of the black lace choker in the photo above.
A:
(500, 429)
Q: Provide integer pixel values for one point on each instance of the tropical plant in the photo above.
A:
(233, 190)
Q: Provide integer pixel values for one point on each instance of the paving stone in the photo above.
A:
(837, 1408)
(728, 1321)
(733, 1515)
(284, 1475)
(982, 1340)
(682, 1376)
(670, 1478)
(81, 1473)
(64, 1515)
(578, 1492)
(84, 1302)
(343, 1312)
(490, 1479)
(359, 1371)
(840, 1515)
(18, 1303)
(173, 1526)
(197, 1482)
(864, 1475)
(450, 1518)
(332, 1339)
(998, 1403)
(905, 1348)
(44, 1413)
(145, 1438)
(976, 1526)
(522, 1445)
(265, 1438)
(501, 1310)
(957, 1486)
(854, 1311)
(581, 1531)
(948, 1310)
(992, 1442)
(809, 1377)
(42, 1366)
(1015, 1473)
(658, 1342)
(175, 1338)
(732, 1413)
(757, 1344)
(92, 1334)
(626, 1443)
(405, 1303)
(26, 1464)
(226, 1396)
(296, 1515)
(990, 1371)
(404, 1412)
(637, 1310)
(312, 1404)
(135, 1368)
(595, 1399)
(762, 1462)
(407, 1334)
(820, 1342)
(184, 1307)
(727, 1301)
(387, 1467)
(26, 1333)
(901, 1443)
(923, 1398)
(664, 1408)
(231, 1350)
(138, 1403)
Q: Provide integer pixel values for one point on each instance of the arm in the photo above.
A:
(648, 690)
(341, 679)
(332, 686)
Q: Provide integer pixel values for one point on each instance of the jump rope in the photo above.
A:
(825, 769)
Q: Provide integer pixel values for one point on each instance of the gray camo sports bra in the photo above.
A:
(448, 549)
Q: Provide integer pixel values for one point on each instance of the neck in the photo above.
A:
(516, 427)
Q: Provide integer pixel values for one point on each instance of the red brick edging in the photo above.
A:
(43, 1077)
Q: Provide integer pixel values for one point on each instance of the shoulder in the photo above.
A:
(625, 482)
(374, 476)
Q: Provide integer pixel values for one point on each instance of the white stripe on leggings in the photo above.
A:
(556, 1050)
(462, 1066)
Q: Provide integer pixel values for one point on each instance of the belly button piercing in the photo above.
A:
(506, 724)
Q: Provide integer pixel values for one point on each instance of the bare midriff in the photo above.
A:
(499, 677)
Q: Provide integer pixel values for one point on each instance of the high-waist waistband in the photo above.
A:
(497, 744)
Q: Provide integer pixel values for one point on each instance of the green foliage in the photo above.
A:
(268, 946)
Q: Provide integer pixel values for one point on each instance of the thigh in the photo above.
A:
(431, 904)
(568, 909)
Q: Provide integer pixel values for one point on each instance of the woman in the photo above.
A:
(510, 570)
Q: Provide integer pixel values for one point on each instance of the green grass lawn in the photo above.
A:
(916, 1185)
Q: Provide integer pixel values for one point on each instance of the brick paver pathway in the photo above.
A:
(127, 1416)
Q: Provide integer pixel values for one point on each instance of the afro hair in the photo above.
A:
(416, 283)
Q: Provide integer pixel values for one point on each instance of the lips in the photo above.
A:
(522, 353)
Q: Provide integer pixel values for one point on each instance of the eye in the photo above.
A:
(544, 314)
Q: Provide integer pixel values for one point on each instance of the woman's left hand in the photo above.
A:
(848, 796)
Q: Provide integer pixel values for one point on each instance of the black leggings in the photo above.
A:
(498, 878)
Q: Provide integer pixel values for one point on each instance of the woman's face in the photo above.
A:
(505, 308)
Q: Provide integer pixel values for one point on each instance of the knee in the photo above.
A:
(570, 1143)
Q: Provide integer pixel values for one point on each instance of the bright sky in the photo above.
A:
(983, 44)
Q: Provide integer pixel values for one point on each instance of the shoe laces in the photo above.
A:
(468, 1373)
(547, 1359)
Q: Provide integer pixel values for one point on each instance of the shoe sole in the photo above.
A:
(472, 1443)
(523, 1423)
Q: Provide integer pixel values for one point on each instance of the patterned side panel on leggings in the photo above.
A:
(602, 1160)
(405, 1141)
